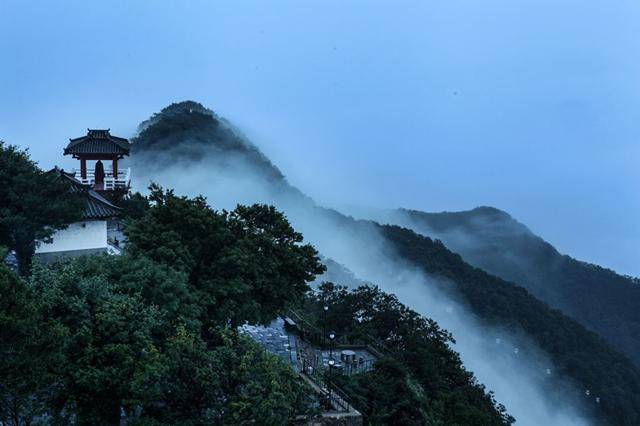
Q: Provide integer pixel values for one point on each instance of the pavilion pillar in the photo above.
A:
(114, 168)
(83, 168)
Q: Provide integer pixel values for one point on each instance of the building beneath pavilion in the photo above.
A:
(97, 232)
(95, 149)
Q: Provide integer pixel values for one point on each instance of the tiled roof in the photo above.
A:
(98, 142)
(96, 206)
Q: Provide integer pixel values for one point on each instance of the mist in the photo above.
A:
(528, 106)
(519, 374)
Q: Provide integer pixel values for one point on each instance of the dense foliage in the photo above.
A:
(189, 131)
(33, 204)
(152, 333)
(490, 239)
(420, 380)
(578, 354)
(30, 344)
(575, 351)
(115, 349)
(243, 265)
(134, 205)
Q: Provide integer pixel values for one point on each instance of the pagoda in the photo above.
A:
(100, 183)
(96, 146)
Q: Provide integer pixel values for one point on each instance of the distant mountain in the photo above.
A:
(198, 141)
(491, 239)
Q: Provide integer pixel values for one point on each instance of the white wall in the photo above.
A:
(89, 234)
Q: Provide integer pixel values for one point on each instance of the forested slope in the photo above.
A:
(596, 297)
(576, 353)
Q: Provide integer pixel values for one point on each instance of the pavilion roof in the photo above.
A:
(98, 142)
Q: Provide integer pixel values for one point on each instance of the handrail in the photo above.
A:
(337, 397)
(108, 171)
(332, 395)
(110, 182)
(379, 348)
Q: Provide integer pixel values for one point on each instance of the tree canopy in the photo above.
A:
(88, 339)
(153, 333)
(33, 204)
(243, 265)
(29, 344)
(498, 244)
(420, 380)
(576, 352)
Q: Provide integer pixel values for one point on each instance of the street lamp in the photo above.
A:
(331, 363)
(332, 336)
(325, 308)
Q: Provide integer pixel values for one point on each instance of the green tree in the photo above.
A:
(29, 346)
(134, 205)
(425, 370)
(124, 346)
(155, 329)
(244, 265)
(158, 285)
(576, 353)
(234, 382)
(33, 204)
(259, 384)
(187, 383)
(390, 396)
(109, 345)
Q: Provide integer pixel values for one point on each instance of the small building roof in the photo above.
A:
(96, 206)
(98, 142)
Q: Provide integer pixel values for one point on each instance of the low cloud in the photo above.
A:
(521, 376)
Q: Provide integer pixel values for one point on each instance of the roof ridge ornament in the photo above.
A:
(99, 133)
(98, 142)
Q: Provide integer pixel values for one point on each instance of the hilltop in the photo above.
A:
(577, 353)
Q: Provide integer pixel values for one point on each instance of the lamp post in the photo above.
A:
(332, 336)
(325, 308)
(331, 363)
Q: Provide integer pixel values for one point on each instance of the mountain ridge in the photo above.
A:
(599, 298)
(575, 351)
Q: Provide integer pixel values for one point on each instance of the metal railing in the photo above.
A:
(330, 396)
(111, 182)
(336, 399)
(312, 334)
(311, 362)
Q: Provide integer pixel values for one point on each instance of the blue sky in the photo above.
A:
(529, 106)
